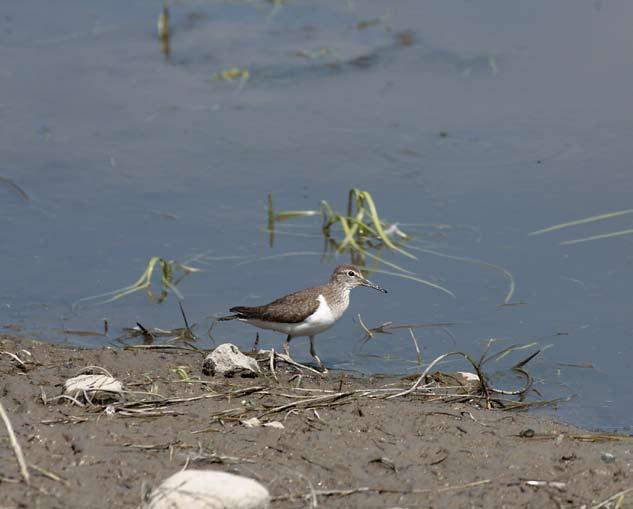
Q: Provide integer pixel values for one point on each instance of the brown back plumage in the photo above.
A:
(293, 308)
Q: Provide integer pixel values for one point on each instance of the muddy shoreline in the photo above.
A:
(351, 452)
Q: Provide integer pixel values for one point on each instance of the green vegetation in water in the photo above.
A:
(171, 274)
(505, 272)
(314, 55)
(162, 27)
(586, 220)
(363, 234)
(234, 73)
(362, 226)
(360, 232)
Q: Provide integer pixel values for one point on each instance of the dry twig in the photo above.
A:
(369, 489)
(15, 444)
(618, 496)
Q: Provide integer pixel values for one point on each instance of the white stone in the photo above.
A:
(274, 424)
(254, 422)
(469, 377)
(208, 489)
(227, 360)
(94, 387)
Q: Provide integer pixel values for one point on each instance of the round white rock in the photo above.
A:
(209, 489)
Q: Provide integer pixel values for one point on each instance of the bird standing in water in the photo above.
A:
(306, 312)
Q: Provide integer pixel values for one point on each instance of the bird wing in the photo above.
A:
(293, 308)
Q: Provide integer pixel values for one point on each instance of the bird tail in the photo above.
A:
(240, 312)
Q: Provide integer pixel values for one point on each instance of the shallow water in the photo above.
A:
(491, 120)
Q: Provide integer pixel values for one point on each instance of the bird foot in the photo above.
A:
(289, 360)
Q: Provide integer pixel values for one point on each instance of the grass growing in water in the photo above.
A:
(361, 225)
(365, 235)
(169, 279)
(592, 219)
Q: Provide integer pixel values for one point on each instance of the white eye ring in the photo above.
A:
(351, 273)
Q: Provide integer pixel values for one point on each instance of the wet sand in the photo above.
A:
(356, 450)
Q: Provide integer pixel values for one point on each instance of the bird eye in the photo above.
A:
(351, 273)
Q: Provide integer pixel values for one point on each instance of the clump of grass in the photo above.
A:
(171, 274)
(364, 234)
(361, 226)
(231, 74)
(360, 231)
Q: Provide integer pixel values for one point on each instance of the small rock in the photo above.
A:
(468, 377)
(94, 387)
(227, 360)
(208, 489)
(253, 422)
(607, 457)
(274, 424)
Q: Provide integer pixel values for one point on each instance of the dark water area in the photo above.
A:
(471, 126)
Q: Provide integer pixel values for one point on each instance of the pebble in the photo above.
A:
(254, 422)
(607, 457)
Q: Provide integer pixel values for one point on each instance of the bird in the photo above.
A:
(307, 312)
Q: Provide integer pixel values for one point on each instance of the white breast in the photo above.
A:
(323, 316)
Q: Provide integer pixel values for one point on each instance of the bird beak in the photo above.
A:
(369, 284)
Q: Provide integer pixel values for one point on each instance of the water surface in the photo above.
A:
(493, 120)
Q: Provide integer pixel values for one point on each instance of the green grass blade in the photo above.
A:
(170, 286)
(140, 284)
(290, 234)
(591, 219)
(360, 224)
(507, 351)
(271, 221)
(505, 272)
(188, 268)
(145, 281)
(619, 233)
(291, 214)
(378, 226)
(280, 255)
(328, 215)
(419, 280)
(350, 233)
(384, 262)
(352, 197)
(127, 291)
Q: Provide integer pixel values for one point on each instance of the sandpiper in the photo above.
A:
(306, 312)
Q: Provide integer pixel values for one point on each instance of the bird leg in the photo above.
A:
(316, 357)
(287, 346)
